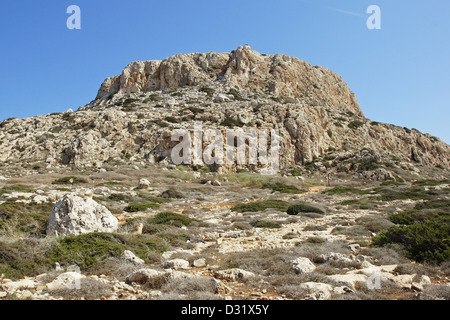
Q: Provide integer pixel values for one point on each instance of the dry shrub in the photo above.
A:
(90, 289)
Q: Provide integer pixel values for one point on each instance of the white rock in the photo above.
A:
(233, 274)
(404, 280)
(144, 275)
(13, 286)
(334, 256)
(130, 256)
(303, 265)
(420, 283)
(75, 215)
(176, 264)
(40, 199)
(67, 280)
(143, 184)
(222, 98)
(348, 280)
(199, 263)
(317, 291)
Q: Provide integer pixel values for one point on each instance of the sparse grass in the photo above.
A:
(283, 188)
(29, 218)
(16, 188)
(344, 190)
(71, 180)
(430, 182)
(90, 289)
(249, 179)
(25, 257)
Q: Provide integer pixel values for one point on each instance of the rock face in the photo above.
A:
(244, 68)
(75, 215)
(135, 113)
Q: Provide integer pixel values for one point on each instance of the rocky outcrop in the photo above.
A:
(135, 114)
(279, 74)
(75, 215)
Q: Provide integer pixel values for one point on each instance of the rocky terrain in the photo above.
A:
(93, 207)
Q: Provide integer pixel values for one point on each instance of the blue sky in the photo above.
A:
(400, 74)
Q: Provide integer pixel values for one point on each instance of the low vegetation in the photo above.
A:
(283, 188)
(261, 206)
(297, 208)
(423, 232)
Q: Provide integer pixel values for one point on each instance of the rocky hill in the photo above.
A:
(320, 122)
(93, 207)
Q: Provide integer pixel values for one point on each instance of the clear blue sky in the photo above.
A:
(400, 74)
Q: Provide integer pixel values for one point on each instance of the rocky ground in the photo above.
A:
(92, 205)
(216, 243)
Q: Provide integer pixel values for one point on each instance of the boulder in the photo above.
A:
(317, 291)
(303, 265)
(420, 282)
(67, 280)
(74, 215)
(348, 280)
(199, 263)
(143, 184)
(233, 274)
(334, 256)
(13, 286)
(176, 264)
(143, 276)
(131, 257)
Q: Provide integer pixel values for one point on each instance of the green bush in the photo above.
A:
(297, 208)
(283, 188)
(265, 224)
(422, 241)
(237, 96)
(423, 232)
(170, 218)
(209, 91)
(172, 193)
(119, 197)
(415, 193)
(171, 119)
(136, 207)
(343, 190)
(91, 249)
(355, 124)
(261, 206)
(229, 122)
(368, 165)
(16, 188)
(71, 180)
